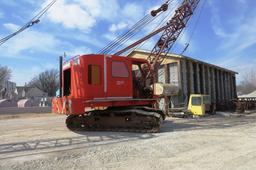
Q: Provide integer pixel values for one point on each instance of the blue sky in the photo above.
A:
(225, 33)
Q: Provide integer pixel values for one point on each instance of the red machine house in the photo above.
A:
(93, 81)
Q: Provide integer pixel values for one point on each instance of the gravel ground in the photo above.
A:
(208, 143)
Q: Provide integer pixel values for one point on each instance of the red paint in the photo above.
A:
(117, 90)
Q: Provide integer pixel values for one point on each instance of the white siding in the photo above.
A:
(161, 77)
(173, 69)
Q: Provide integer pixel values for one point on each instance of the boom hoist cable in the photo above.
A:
(33, 21)
(126, 35)
(160, 24)
(194, 28)
(119, 41)
(170, 34)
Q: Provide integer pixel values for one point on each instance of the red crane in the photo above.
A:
(105, 92)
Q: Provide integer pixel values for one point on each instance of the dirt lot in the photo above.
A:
(209, 143)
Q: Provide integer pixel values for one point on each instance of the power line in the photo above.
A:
(33, 21)
(122, 39)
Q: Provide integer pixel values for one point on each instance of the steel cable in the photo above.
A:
(119, 41)
(33, 21)
(161, 23)
(129, 36)
(121, 37)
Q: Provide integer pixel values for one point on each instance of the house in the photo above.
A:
(31, 96)
(30, 92)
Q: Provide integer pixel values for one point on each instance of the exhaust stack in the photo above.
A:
(60, 74)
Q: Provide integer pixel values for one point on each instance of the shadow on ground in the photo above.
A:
(210, 122)
(87, 139)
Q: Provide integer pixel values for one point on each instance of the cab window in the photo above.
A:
(94, 74)
(196, 101)
(119, 69)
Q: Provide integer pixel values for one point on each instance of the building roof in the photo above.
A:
(250, 95)
(177, 56)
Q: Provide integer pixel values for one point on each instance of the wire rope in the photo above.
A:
(119, 41)
(122, 35)
(160, 24)
(34, 20)
(126, 35)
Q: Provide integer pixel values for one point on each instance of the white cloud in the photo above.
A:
(32, 42)
(133, 11)
(29, 41)
(108, 10)
(10, 26)
(80, 14)
(117, 27)
(128, 15)
(93, 40)
(216, 21)
(109, 36)
(78, 51)
(235, 38)
(71, 16)
(243, 37)
(30, 1)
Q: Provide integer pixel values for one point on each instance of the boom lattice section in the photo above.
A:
(171, 33)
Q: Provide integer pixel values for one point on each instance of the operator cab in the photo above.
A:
(141, 84)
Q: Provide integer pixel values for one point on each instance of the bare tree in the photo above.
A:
(5, 74)
(248, 83)
(46, 81)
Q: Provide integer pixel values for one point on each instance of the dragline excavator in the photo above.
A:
(105, 92)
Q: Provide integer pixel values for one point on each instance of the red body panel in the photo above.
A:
(113, 85)
(119, 86)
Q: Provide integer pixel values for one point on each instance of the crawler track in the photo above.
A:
(135, 119)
